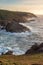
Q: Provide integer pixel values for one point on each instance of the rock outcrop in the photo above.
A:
(15, 27)
(35, 49)
(10, 20)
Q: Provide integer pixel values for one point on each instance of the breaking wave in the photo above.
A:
(20, 42)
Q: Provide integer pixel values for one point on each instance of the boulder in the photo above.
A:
(16, 27)
(35, 49)
(40, 48)
(41, 45)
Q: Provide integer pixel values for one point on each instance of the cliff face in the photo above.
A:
(16, 28)
(15, 16)
(7, 17)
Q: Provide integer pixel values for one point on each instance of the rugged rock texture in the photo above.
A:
(15, 27)
(10, 20)
(35, 49)
(15, 16)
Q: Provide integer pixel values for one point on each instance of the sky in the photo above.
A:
(33, 6)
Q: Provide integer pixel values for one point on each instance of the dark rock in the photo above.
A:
(6, 18)
(15, 27)
(28, 51)
(40, 48)
(35, 49)
(9, 53)
(41, 45)
(3, 23)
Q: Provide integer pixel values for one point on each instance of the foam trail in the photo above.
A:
(26, 26)
(16, 50)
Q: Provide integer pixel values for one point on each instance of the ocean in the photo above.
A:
(19, 43)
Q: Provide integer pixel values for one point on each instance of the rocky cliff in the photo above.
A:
(10, 20)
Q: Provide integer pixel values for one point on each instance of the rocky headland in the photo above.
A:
(10, 20)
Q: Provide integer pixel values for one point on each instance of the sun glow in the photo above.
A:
(39, 12)
(25, 8)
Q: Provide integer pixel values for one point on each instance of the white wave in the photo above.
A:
(17, 41)
(25, 25)
(16, 34)
(16, 50)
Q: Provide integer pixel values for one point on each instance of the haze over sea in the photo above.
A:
(20, 42)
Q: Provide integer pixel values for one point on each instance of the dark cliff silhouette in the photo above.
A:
(10, 20)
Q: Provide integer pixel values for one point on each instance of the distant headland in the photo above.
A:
(10, 20)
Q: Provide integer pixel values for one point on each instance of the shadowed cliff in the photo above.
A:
(13, 17)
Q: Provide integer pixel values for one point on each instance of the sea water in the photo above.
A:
(19, 43)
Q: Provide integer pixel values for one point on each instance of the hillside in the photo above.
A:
(10, 20)
(15, 16)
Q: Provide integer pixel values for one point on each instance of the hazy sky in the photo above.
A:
(34, 6)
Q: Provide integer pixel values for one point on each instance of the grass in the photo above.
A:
(21, 60)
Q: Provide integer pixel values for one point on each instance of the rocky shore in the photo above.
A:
(35, 49)
(10, 20)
